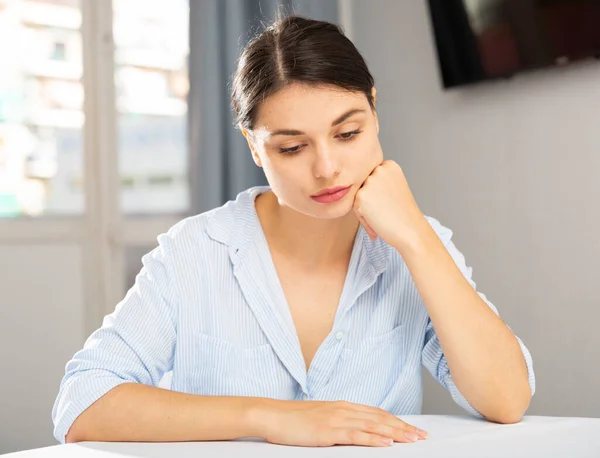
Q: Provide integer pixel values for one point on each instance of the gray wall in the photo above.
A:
(41, 326)
(513, 167)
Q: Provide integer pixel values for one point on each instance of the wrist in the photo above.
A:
(416, 241)
(262, 417)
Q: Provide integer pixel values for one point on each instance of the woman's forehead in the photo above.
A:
(299, 107)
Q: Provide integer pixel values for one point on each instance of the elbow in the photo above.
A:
(508, 408)
(75, 434)
(508, 413)
(507, 418)
(70, 438)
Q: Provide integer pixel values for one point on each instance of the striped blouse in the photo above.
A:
(208, 307)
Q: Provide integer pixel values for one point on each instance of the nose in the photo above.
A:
(326, 164)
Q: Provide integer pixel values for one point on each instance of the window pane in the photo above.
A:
(152, 47)
(41, 108)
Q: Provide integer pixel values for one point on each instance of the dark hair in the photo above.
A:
(296, 49)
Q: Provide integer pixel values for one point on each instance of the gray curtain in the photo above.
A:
(220, 162)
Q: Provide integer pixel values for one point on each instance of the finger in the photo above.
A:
(364, 223)
(347, 436)
(394, 421)
(372, 234)
(398, 432)
(381, 164)
(371, 173)
(383, 416)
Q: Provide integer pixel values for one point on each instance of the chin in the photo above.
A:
(309, 207)
(330, 211)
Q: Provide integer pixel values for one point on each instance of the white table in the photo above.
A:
(450, 436)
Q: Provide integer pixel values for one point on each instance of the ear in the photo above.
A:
(248, 136)
(374, 94)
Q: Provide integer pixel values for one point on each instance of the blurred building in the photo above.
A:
(42, 96)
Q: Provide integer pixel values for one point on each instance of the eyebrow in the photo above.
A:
(339, 120)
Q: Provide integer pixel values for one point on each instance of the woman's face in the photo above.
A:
(312, 141)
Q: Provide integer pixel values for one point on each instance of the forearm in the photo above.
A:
(483, 355)
(139, 413)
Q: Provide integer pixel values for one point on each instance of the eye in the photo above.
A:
(349, 135)
(290, 151)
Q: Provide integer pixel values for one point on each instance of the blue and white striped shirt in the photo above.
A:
(208, 306)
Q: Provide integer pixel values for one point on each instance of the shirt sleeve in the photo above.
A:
(433, 356)
(135, 344)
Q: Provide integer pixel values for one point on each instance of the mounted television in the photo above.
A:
(477, 40)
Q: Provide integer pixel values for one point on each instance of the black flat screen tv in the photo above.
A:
(478, 40)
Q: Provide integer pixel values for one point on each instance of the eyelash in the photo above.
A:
(295, 149)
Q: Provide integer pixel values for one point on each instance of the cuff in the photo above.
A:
(76, 395)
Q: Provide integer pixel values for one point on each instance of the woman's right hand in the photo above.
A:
(321, 423)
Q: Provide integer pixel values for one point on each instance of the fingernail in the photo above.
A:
(411, 437)
(422, 434)
(387, 441)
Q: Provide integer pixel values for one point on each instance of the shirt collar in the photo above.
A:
(236, 225)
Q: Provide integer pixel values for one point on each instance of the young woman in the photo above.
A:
(301, 312)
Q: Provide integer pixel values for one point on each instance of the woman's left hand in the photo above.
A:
(386, 207)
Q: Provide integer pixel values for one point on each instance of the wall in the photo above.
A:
(41, 327)
(513, 167)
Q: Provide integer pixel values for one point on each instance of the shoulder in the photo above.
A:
(216, 227)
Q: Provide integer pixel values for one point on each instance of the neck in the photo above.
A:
(311, 241)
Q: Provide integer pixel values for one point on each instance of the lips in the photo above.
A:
(330, 195)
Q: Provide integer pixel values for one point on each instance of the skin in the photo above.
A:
(483, 355)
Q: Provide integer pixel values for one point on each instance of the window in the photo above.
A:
(151, 79)
(41, 108)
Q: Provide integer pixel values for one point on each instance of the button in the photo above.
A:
(339, 335)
